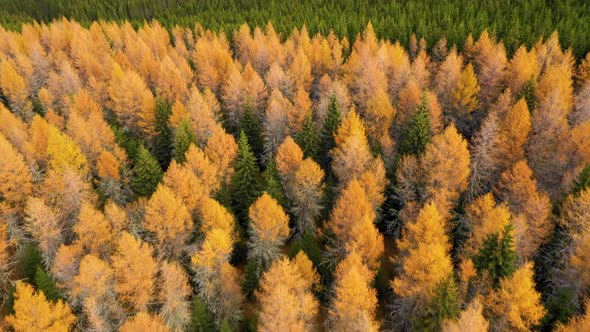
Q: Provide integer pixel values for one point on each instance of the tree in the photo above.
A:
(331, 123)
(514, 133)
(135, 269)
(379, 116)
(201, 320)
(245, 182)
(496, 257)
(252, 127)
(15, 178)
(185, 185)
(144, 322)
(14, 87)
(168, 218)
(183, 139)
(174, 295)
(286, 295)
(308, 138)
(351, 221)
(93, 230)
(32, 311)
(269, 228)
(132, 102)
(444, 306)
(471, 319)
(64, 153)
(146, 173)
(516, 305)
(42, 222)
(418, 131)
(46, 284)
(222, 150)
(446, 161)
(163, 138)
(464, 100)
(424, 255)
(351, 156)
(355, 302)
(530, 207)
(490, 63)
(485, 157)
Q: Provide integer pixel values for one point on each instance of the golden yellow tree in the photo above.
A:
(514, 131)
(352, 155)
(167, 217)
(33, 312)
(379, 117)
(42, 222)
(144, 322)
(135, 269)
(269, 229)
(464, 99)
(286, 296)
(351, 221)
(516, 305)
(222, 150)
(471, 319)
(64, 153)
(93, 230)
(355, 301)
(14, 87)
(424, 252)
(174, 295)
(15, 178)
(185, 184)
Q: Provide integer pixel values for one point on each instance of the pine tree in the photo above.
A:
(272, 184)
(308, 138)
(183, 140)
(327, 142)
(245, 182)
(252, 127)
(582, 181)
(497, 256)
(201, 317)
(163, 138)
(418, 132)
(146, 173)
(445, 305)
(46, 284)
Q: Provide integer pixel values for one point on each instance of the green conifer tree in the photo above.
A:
(201, 317)
(45, 283)
(253, 129)
(418, 131)
(183, 140)
(245, 182)
(272, 185)
(329, 127)
(582, 181)
(308, 138)
(445, 305)
(497, 256)
(163, 139)
(146, 173)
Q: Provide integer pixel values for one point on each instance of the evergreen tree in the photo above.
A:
(245, 182)
(201, 317)
(183, 140)
(327, 142)
(308, 243)
(163, 138)
(418, 132)
(445, 305)
(528, 92)
(253, 129)
(46, 284)
(308, 138)
(582, 181)
(252, 273)
(29, 260)
(497, 256)
(272, 185)
(146, 173)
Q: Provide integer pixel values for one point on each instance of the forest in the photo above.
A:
(179, 178)
(515, 22)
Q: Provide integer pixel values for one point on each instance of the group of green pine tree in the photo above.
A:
(516, 22)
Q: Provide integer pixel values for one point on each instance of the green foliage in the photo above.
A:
(528, 93)
(128, 143)
(226, 326)
(329, 127)
(45, 283)
(146, 173)
(183, 140)
(582, 182)
(163, 139)
(561, 306)
(445, 305)
(497, 256)
(29, 260)
(201, 317)
(418, 131)
(252, 277)
(253, 129)
(516, 22)
(245, 182)
(308, 138)
(308, 243)
(272, 184)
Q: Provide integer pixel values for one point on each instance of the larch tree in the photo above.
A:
(174, 295)
(132, 102)
(94, 231)
(42, 222)
(531, 207)
(144, 322)
(522, 68)
(446, 162)
(269, 229)
(168, 218)
(515, 128)
(15, 178)
(425, 258)
(222, 150)
(485, 157)
(286, 296)
(447, 77)
(135, 270)
(379, 116)
(351, 221)
(351, 156)
(14, 87)
(185, 185)
(33, 312)
(471, 319)
(64, 153)
(204, 169)
(354, 304)
(490, 64)
(464, 100)
(516, 305)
